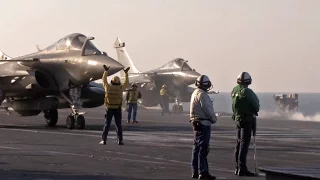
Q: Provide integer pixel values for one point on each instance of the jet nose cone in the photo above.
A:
(191, 77)
(194, 75)
(95, 66)
(114, 65)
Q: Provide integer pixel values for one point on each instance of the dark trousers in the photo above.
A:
(117, 114)
(132, 107)
(165, 105)
(244, 129)
(201, 149)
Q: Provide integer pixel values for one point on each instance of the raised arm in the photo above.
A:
(104, 78)
(126, 79)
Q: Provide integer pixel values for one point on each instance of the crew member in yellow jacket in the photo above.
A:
(132, 101)
(113, 103)
(164, 99)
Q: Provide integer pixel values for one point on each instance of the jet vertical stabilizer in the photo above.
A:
(124, 58)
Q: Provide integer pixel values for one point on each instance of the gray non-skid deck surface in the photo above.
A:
(158, 147)
(301, 172)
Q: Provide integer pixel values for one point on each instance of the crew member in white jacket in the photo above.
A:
(202, 115)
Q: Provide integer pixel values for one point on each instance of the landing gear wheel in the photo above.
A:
(180, 109)
(81, 122)
(70, 122)
(51, 116)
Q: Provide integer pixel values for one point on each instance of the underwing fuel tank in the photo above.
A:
(30, 107)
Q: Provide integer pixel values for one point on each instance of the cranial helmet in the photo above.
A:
(134, 85)
(115, 80)
(244, 78)
(203, 82)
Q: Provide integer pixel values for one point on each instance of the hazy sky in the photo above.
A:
(276, 41)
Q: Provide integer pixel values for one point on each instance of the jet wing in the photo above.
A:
(138, 79)
(20, 60)
(149, 73)
(23, 62)
(15, 74)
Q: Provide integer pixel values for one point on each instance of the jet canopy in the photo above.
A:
(177, 63)
(73, 42)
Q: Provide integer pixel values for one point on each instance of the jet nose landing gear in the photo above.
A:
(76, 119)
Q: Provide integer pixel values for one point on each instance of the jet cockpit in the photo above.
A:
(178, 64)
(76, 42)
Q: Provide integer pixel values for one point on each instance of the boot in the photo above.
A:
(120, 143)
(245, 172)
(102, 142)
(207, 177)
(195, 175)
(236, 171)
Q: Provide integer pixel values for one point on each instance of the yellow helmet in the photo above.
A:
(115, 80)
(164, 86)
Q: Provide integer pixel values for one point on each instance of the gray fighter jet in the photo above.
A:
(59, 76)
(176, 74)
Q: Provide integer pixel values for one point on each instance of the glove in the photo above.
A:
(106, 68)
(196, 125)
(126, 70)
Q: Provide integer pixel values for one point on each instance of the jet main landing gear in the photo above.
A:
(51, 116)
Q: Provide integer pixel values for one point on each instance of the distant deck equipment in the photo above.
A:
(286, 103)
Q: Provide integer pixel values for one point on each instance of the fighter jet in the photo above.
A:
(59, 76)
(176, 74)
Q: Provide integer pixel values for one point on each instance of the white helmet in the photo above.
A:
(244, 78)
(204, 82)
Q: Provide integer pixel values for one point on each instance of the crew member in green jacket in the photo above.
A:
(245, 107)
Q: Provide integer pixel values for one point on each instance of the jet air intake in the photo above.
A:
(43, 79)
(34, 80)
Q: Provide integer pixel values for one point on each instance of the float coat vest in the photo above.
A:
(113, 97)
(133, 96)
